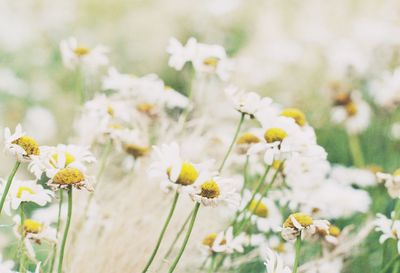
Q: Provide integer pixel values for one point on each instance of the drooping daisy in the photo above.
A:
(225, 242)
(23, 147)
(246, 141)
(274, 263)
(34, 231)
(26, 191)
(389, 228)
(133, 143)
(392, 182)
(264, 212)
(75, 54)
(69, 177)
(214, 191)
(301, 224)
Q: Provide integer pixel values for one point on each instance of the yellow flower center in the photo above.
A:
(295, 114)
(136, 150)
(32, 226)
(187, 176)
(258, 208)
(374, 168)
(342, 98)
(29, 145)
(146, 108)
(277, 164)
(81, 51)
(68, 176)
(351, 109)
(209, 239)
(167, 88)
(115, 126)
(248, 138)
(22, 189)
(303, 219)
(211, 61)
(210, 189)
(275, 134)
(69, 158)
(334, 230)
(280, 248)
(396, 172)
(110, 110)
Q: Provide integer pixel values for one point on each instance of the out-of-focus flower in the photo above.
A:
(225, 242)
(395, 131)
(353, 176)
(26, 191)
(274, 263)
(391, 181)
(23, 147)
(386, 90)
(75, 55)
(6, 266)
(389, 228)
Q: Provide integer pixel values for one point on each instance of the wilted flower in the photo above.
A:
(20, 145)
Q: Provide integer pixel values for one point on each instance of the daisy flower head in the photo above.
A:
(6, 266)
(246, 141)
(264, 212)
(389, 228)
(132, 142)
(296, 114)
(214, 191)
(75, 54)
(69, 177)
(174, 171)
(282, 137)
(386, 90)
(391, 182)
(247, 103)
(26, 191)
(61, 156)
(274, 263)
(20, 145)
(34, 231)
(225, 242)
(180, 54)
(301, 224)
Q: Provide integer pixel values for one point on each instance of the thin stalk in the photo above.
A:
(67, 225)
(161, 236)
(389, 264)
(232, 143)
(297, 247)
(178, 235)
(8, 185)
(22, 267)
(53, 259)
(356, 151)
(189, 231)
(212, 264)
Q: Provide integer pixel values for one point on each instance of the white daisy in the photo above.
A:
(69, 177)
(389, 228)
(274, 263)
(225, 242)
(6, 266)
(23, 147)
(301, 224)
(391, 181)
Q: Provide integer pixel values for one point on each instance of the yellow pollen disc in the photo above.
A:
(115, 126)
(277, 164)
(351, 109)
(210, 189)
(68, 176)
(187, 176)
(396, 172)
(303, 219)
(110, 110)
(69, 158)
(248, 138)
(342, 98)
(144, 107)
(28, 144)
(81, 51)
(136, 150)
(375, 168)
(295, 114)
(280, 248)
(258, 208)
(32, 226)
(168, 88)
(209, 239)
(211, 61)
(22, 189)
(274, 134)
(334, 230)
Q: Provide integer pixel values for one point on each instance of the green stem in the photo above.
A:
(171, 212)
(175, 263)
(53, 259)
(396, 268)
(356, 151)
(297, 247)
(232, 143)
(8, 185)
(212, 264)
(67, 225)
(389, 264)
(22, 267)
(178, 235)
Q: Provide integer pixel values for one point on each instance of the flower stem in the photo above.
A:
(389, 264)
(297, 247)
(171, 212)
(194, 215)
(232, 143)
(67, 225)
(8, 185)
(212, 264)
(22, 268)
(178, 235)
(356, 151)
(53, 259)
